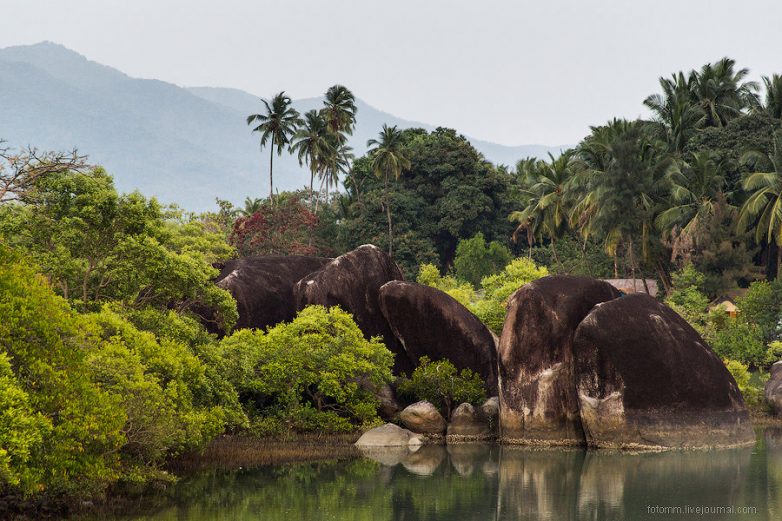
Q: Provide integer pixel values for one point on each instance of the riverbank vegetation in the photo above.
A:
(107, 370)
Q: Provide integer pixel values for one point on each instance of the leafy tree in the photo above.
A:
(78, 423)
(314, 373)
(276, 126)
(735, 339)
(687, 298)
(442, 385)
(388, 160)
(97, 246)
(284, 228)
(475, 259)
(21, 169)
(761, 305)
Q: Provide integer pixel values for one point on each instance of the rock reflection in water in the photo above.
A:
(480, 482)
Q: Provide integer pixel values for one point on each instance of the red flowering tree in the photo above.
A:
(284, 228)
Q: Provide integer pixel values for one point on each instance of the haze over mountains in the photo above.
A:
(183, 145)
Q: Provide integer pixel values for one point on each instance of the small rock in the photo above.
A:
(388, 435)
(468, 423)
(422, 417)
(491, 407)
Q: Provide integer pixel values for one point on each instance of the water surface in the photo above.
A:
(490, 482)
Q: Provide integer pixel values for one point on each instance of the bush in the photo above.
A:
(735, 339)
(462, 292)
(441, 384)
(312, 374)
(497, 288)
(687, 299)
(752, 393)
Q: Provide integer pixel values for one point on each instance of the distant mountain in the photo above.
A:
(184, 145)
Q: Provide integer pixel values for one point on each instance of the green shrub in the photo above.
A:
(498, 288)
(312, 374)
(751, 392)
(441, 384)
(462, 292)
(475, 259)
(735, 339)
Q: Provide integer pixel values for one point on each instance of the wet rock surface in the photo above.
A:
(469, 423)
(429, 322)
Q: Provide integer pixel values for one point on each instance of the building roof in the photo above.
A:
(634, 285)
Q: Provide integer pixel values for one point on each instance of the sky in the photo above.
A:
(512, 72)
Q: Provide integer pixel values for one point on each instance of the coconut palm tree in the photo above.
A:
(721, 91)
(277, 125)
(772, 102)
(676, 113)
(312, 144)
(388, 160)
(546, 208)
(695, 192)
(250, 207)
(337, 161)
(764, 205)
(339, 111)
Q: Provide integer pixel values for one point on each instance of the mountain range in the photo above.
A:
(187, 145)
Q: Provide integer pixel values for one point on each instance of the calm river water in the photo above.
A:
(489, 482)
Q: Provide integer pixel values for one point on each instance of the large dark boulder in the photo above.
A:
(263, 286)
(773, 389)
(646, 379)
(538, 401)
(429, 322)
(352, 281)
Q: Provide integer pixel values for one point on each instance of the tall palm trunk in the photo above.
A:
(271, 169)
(312, 193)
(388, 215)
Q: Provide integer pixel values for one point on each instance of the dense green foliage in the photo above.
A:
(475, 259)
(315, 373)
(442, 385)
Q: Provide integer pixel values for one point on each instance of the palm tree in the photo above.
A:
(765, 200)
(695, 192)
(546, 206)
(722, 92)
(250, 207)
(312, 145)
(675, 111)
(388, 160)
(621, 183)
(278, 124)
(339, 111)
(772, 103)
(337, 161)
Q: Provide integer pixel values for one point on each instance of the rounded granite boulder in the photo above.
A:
(423, 417)
(646, 379)
(538, 401)
(429, 322)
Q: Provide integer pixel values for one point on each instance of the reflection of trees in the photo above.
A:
(485, 482)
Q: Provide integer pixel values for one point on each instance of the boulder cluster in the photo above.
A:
(578, 363)
(413, 320)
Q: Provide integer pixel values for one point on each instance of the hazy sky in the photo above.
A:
(513, 72)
